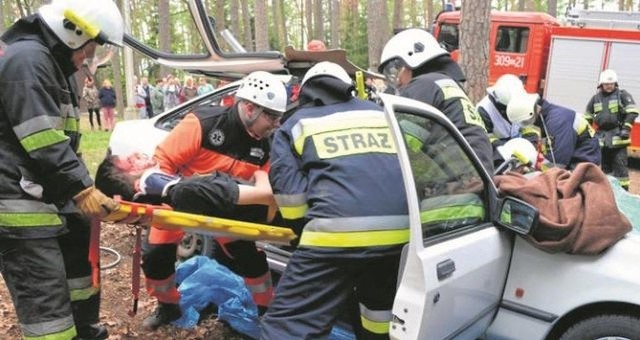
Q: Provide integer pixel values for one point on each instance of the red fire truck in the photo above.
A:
(560, 60)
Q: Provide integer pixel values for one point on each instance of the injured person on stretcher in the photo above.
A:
(137, 178)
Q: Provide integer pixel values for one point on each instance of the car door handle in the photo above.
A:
(445, 269)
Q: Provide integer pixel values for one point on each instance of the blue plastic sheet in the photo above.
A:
(203, 281)
(627, 203)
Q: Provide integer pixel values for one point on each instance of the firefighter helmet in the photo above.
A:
(75, 22)
(506, 87)
(608, 76)
(327, 68)
(413, 46)
(519, 148)
(264, 89)
(522, 108)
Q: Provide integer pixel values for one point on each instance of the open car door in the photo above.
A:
(455, 266)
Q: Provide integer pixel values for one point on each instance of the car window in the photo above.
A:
(450, 190)
(448, 37)
(217, 98)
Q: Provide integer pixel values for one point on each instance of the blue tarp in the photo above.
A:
(627, 203)
(203, 281)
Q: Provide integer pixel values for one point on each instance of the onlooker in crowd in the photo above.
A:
(157, 97)
(148, 91)
(316, 45)
(90, 96)
(107, 96)
(171, 92)
(204, 86)
(189, 90)
(564, 137)
(613, 111)
(141, 99)
(46, 192)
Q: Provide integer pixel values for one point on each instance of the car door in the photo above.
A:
(455, 265)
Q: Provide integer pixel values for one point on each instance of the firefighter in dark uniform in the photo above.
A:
(414, 62)
(334, 171)
(613, 111)
(562, 136)
(233, 140)
(44, 236)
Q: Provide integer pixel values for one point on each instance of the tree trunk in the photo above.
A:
(521, 5)
(235, 18)
(164, 33)
(398, 14)
(220, 16)
(117, 83)
(281, 28)
(530, 5)
(3, 26)
(377, 30)
(308, 16)
(261, 26)
(246, 26)
(429, 15)
(552, 7)
(318, 22)
(474, 46)
(335, 24)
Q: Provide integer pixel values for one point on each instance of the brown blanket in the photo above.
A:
(578, 212)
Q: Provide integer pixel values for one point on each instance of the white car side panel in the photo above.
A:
(560, 283)
(510, 325)
(432, 309)
(138, 135)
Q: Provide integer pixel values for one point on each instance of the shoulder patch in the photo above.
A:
(216, 137)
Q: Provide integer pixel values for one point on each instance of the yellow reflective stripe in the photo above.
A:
(452, 213)
(617, 141)
(492, 138)
(629, 125)
(414, 143)
(624, 182)
(632, 109)
(29, 219)
(293, 212)
(353, 142)
(354, 239)
(83, 294)
(42, 139)
(375, 327)
(613, 107)
(67, 334)
(71, 124)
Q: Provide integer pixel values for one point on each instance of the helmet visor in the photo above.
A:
(391, 71)
(101, 56)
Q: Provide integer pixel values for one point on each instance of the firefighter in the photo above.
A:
(44, 236)
(613, 111)
(420, 69)
(233, 140)
(334, 170)
(493, 110)
(562, 136)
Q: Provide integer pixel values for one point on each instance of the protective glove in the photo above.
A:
(92, 202)
(624, 133)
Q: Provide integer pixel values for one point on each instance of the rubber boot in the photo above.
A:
(164, 314)
(91, 332)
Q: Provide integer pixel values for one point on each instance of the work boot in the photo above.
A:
(164, 314)
(91, 332)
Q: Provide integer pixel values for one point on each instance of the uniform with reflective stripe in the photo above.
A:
(500, 130)
(324, 159)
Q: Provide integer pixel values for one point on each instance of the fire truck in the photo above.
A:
(560, 59)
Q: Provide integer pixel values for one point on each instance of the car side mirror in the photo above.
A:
(517, 215)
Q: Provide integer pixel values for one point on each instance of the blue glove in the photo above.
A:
(156, 183)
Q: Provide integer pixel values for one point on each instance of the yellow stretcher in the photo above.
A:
(165, 218)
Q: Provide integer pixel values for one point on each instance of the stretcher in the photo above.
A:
(162, 216)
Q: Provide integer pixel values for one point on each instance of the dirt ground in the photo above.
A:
(117, 298)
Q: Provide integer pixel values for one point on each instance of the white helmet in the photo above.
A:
(522, 108)
(264, 89)
(75, 22)
(505, 87)
(608, 76)
(327, 68)
(519, 148)
(413, 46)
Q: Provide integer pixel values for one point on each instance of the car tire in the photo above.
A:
(194, 244)
(609, 326)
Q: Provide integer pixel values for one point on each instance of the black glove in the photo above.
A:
(624, 133)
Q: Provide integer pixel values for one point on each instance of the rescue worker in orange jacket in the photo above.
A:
(334, 170)
(233, 140)
(613, 111)
(44, 236)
